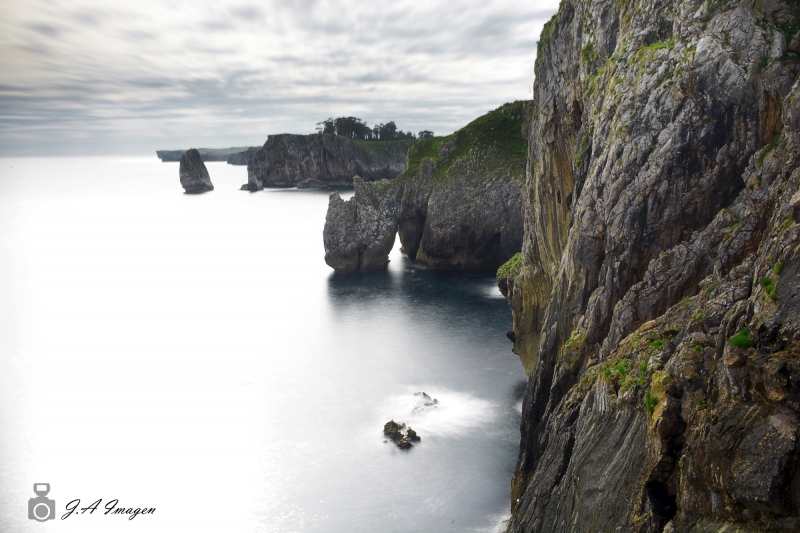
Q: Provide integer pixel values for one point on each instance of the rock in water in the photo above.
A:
(253, 184)
(458, 207)
(394, 430)
(360, 233)
(193, 172)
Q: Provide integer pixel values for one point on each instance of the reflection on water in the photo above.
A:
(194, 353)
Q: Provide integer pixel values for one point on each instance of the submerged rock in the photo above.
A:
(394, 430)
(193, 173)
(360, 233)
(426, 403)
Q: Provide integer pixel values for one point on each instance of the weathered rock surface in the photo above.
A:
(193, 173)
(325, 160)
(394, 430)
(252, 184)
(657, 302)
(460, 203)
(360, 233)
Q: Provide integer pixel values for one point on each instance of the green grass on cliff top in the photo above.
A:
(385, 148)
(497, 136)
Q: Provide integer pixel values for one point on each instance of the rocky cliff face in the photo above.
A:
(656, 303)
(360, 233)
(193, 173)
(459, 203)
(325, 160)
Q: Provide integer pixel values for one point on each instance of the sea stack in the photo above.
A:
(193, 172)
(360, 233)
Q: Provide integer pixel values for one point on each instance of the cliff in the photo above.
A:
(459, 203)
(206, 154)
(325, 160)
(656, 300)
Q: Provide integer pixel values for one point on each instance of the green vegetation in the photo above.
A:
(666, 336)
(700, 315)
(589, 55)
(641, 52)
(712, 288)
(769, 147)
(741, 339)
(650, 401)
(581, 149)
(506, 268)
(787, 223)
(576, 337)
(385, 148)
(699, 400)
(777, 268)
(762, 64)
(493, 142)
(769, 288)
(544, 39)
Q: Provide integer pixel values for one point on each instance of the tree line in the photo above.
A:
(355, 128)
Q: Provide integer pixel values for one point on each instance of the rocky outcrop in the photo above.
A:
(656, 300)
(325, 160)
(460, 202)
(252, 184)
(394, 430)
(193, 173)
(360, 233)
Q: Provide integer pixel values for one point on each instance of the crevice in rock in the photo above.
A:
(661, 504)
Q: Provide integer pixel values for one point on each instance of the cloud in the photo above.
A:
(146, 74)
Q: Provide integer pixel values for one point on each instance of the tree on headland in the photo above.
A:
(425, 134)
(355, 128)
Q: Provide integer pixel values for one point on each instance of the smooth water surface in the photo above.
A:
(194, 353)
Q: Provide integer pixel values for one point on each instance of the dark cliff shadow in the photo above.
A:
(310, 190)
(452, 293)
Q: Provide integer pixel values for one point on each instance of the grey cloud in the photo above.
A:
(246, 70)
(46, 30)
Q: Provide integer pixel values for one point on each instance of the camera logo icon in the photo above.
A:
(41, 508)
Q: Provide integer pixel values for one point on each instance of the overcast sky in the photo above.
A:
(102, 76)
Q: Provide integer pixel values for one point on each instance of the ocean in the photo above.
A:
(194, 354)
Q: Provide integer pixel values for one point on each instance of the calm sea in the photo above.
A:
(194, 354)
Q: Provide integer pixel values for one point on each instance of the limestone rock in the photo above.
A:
(193, 173)
(360, 233)
(325, 160)
(463, 208)
(460, 211)
(662, 175)
(252, 185)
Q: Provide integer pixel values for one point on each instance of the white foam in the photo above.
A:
(454, 415)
